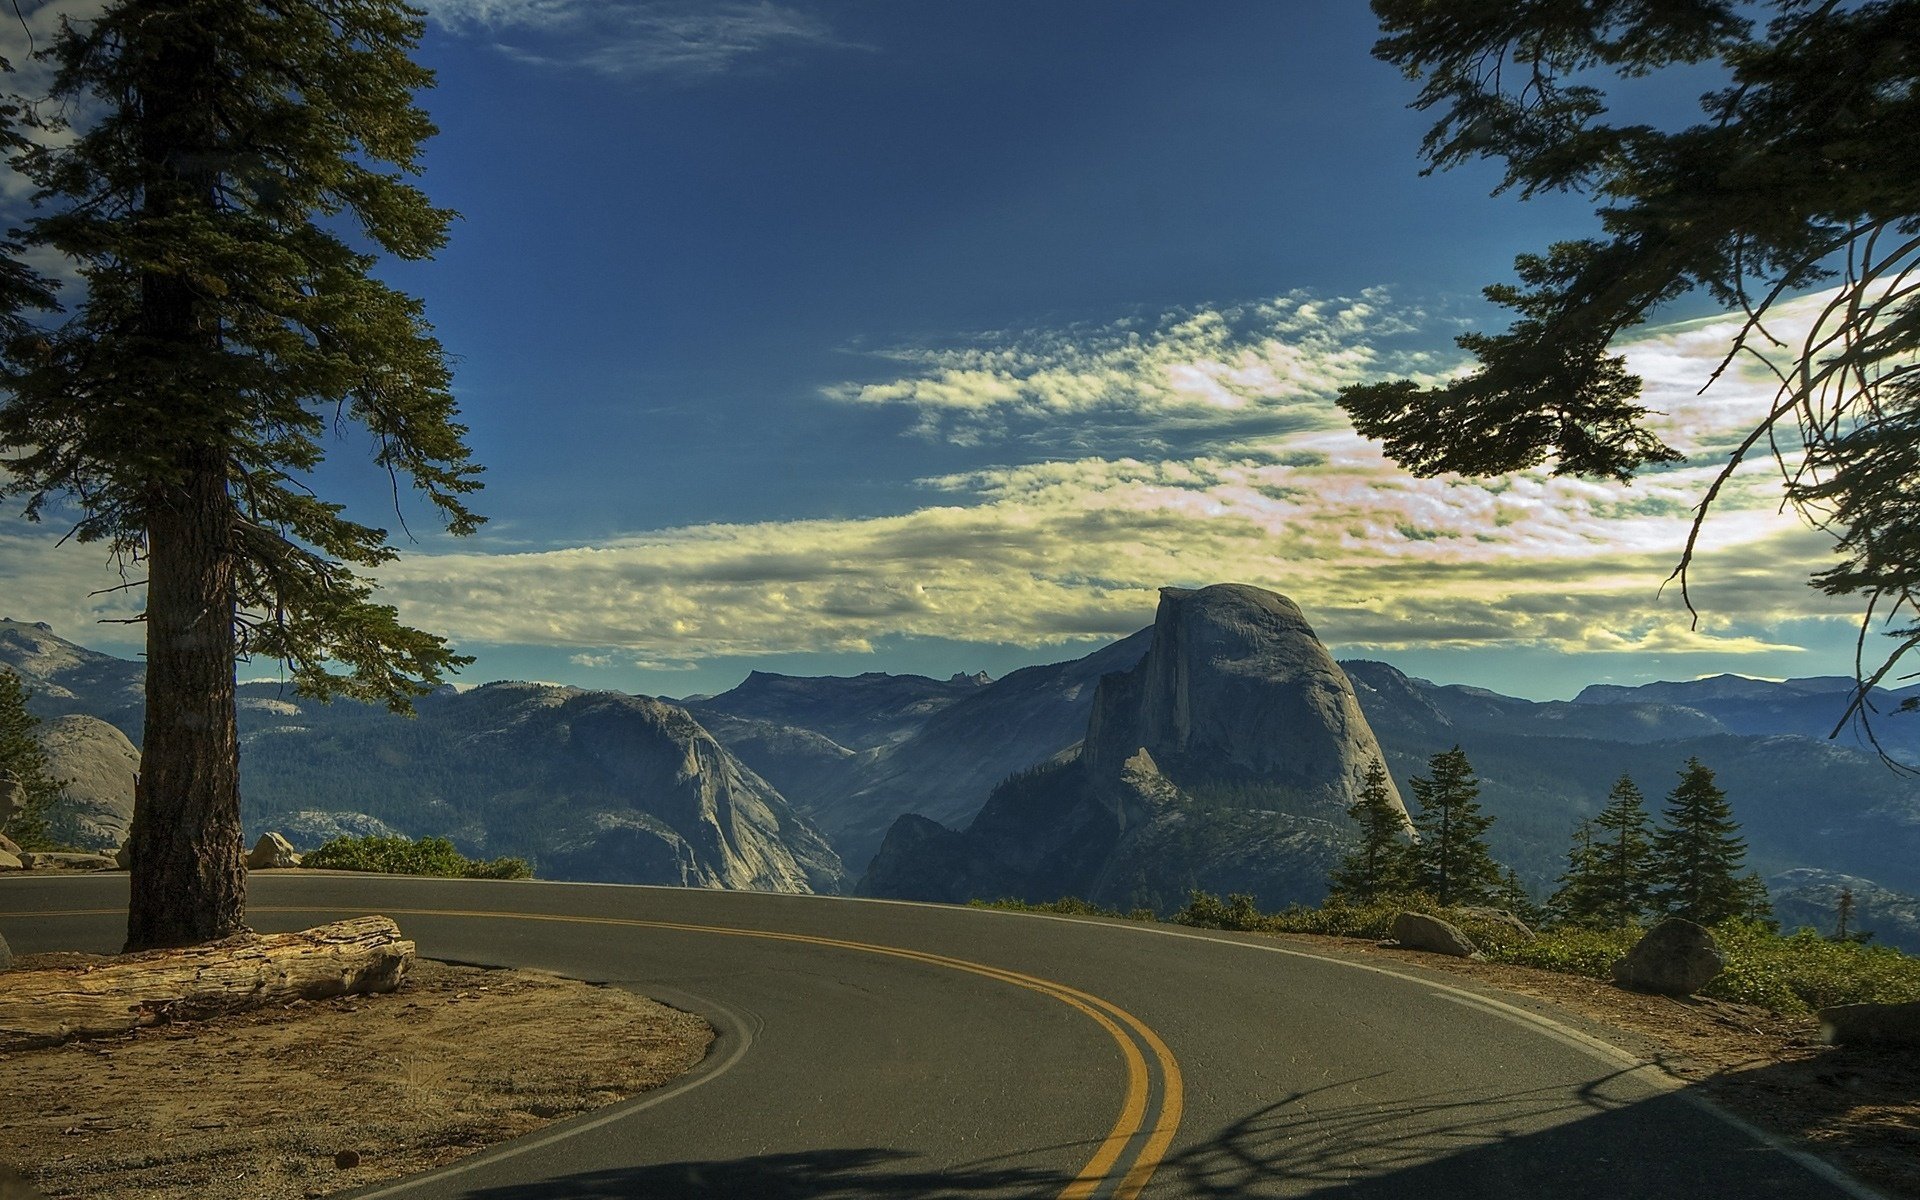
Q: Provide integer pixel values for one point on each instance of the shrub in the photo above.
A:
(403, 856)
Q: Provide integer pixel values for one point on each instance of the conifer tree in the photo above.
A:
(1580, 898)
(23, 758)
(1625, 869)
(1452, 861)
(1698, 853)
(1378, 864)
(241, 165)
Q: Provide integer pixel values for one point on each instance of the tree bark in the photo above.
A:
(189, 876)
(46, 1007)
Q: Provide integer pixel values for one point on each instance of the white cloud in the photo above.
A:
(673, 38)
(1042, 553)
(1210, 368)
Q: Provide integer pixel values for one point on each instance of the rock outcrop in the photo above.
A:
(100, 768)
(1223, 760)
(1236, 689)
(1675, 958)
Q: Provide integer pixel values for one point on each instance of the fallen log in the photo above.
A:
(46, 1007)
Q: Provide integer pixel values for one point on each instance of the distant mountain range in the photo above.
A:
(792, 783)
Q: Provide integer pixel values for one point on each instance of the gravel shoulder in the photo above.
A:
(319, 1097)
(1857, 1108)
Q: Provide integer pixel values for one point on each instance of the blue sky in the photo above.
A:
(826, 338)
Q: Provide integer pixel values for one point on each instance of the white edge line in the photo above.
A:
(741, 1034)
(1612, 1055)
(1605, 1051)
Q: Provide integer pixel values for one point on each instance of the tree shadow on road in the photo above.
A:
(1359, 1139)
(808, 1175)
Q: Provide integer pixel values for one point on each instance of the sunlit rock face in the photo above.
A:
(1224, 760)
(1236, 689)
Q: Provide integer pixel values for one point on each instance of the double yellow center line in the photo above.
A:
(1144, 1128)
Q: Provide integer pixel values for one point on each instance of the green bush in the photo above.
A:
(403, 856)
(1568, 949)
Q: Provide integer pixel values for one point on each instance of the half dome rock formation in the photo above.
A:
(1224, 760)
(1236, 689)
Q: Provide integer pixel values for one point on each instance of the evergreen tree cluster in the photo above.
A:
(1449, 861)
(1621, 869)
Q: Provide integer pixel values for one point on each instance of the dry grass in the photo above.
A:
(258, 1106)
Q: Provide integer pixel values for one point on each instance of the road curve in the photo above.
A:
(872, 1049)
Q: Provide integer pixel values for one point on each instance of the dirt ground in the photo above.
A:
(334, 1094)
(1858, 1108)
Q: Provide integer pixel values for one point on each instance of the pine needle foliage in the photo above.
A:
(226, 322)
(1378, 865)
(1451, 861)
(1698, 855)
(1797, 174)
(1625, 867)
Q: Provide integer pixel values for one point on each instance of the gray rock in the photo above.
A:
(1674, 958)
(6, 953)
(100, 768)
(10, 861)
(271, 850)
(1421, 931)
(60, 859)
(123, 857)
(1236, 688)
(1872, 1024)
(1501, 917)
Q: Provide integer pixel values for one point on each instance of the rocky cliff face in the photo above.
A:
(1223, 760)
(1236, 689)
(593, 786)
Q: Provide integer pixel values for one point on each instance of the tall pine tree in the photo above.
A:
(1625, 879)
(224, 209)
(1452, 861)
(1378, 865)
(1698, 854)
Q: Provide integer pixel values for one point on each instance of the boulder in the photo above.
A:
(272, 850)
(1676, 958)
(11, 862)
(123, 857)
(8, 844)
(58, 859)
(6, 953)
(1419, 931)
(1876, 1024)
(1501, 917)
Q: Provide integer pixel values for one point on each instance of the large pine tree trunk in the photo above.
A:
(189, 876)
(189, 873)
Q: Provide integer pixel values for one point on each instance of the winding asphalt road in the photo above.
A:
(872, 1049)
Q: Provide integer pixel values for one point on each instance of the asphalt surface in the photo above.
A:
(872, 1049)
